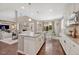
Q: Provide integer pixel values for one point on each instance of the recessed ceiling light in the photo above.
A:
(30, 19)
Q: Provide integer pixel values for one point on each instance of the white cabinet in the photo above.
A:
(74, 48)
(30, 45)
(20, 44)
(65, 45)
(70, 47)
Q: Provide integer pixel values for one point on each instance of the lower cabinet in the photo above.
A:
(74, 50)
(70, 47)
(30, 45)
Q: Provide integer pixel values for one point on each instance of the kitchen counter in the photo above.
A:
(30, 43)
(30, 34)
(76, 40)
(70, 44)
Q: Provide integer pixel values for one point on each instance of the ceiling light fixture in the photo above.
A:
(50, 23)
(30, 19)
(22, 7)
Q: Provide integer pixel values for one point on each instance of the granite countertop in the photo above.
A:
(76, 40)
(30, 34)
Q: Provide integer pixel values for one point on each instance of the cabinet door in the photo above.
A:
(66, 45)
(29, 45)
(32, 45)
(74, 49)
(70, 47)
(63, 43)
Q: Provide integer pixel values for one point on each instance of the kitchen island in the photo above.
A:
(29, 43)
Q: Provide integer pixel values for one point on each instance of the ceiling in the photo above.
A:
(38, 11)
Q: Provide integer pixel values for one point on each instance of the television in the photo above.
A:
(4, 26)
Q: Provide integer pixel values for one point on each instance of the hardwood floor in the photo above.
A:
(51, 47)
(6, 49)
